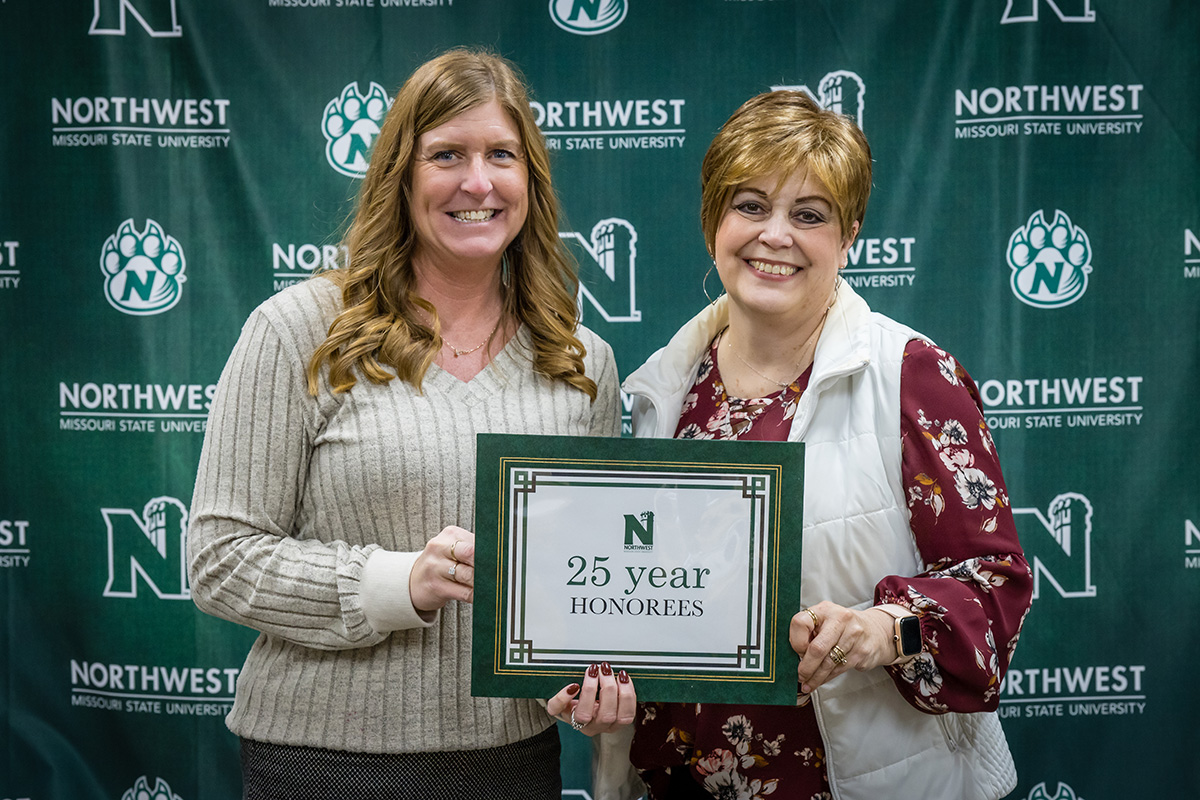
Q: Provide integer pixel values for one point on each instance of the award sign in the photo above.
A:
(675, 560)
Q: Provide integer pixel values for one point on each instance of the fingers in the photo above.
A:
(604, 702)
(626, 700)
(444, 570)
(462, 549)
(585, 709)
(563, 702)
(836, 643)
(802, 629)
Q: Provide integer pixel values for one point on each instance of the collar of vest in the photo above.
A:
(843, 349)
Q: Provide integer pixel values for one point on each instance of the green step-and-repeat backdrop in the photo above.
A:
(168, 164)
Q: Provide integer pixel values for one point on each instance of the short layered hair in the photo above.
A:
(789, 133)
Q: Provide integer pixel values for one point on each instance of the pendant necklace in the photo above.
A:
(457, 352)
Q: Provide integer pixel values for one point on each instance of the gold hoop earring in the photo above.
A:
(704, 285)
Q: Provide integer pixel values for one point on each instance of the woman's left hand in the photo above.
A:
(604, 703)
(831, 639)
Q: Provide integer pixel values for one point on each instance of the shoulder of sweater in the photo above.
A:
(303, 312)
(593, 343)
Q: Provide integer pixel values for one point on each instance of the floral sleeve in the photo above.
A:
(975, 592)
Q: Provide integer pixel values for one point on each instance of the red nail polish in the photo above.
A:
(605, 669)
(573, 688)
(623, 676)
(593, 671)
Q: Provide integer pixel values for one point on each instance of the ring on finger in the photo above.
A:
(837, 655)
(813, 614)
(453, 557)
(576, 724)
(453, 569)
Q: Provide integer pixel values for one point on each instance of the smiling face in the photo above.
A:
(779, 246)
(470, 190)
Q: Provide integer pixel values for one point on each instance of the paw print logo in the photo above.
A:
(142, 790)
(1063, 792)
(1050, 262)
(588, 19)
(350, 124)
(143, 272)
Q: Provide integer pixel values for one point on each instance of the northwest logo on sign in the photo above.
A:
(1064, 792)
(142, 790)
(143, 272)
(1062, 551)
(607, 260)
(841, 91)
(588, 17)
(157, 17)
(1027, 10)
(152, 546)
(639, 531)
(1050, 261)
(350, 124)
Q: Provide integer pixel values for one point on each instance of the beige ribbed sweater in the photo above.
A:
(295, 494)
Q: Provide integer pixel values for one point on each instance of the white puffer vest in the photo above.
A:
(856, 531)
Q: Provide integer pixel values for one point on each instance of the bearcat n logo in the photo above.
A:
(842, 91)
(588, 17)
(607, 266)
(350, 124)
(152, 546)
(142, 790)
(1050, 261)
(143, 272)
(157, 17)
(1061, 552)
(1065, 10)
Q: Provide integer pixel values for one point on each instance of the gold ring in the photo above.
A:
(837, 655)
(813, 614)
(452, 556)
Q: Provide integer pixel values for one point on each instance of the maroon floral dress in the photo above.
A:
(964, 529)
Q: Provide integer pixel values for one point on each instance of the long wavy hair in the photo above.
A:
(381, 326)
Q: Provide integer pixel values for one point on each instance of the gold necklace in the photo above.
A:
(820, 325)
(457, 352)
(766, 378)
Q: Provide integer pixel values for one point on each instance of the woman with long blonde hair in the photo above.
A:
(336, 486)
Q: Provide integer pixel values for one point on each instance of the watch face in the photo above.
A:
(910, 636)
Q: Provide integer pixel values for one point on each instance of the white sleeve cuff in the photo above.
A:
(386, 601)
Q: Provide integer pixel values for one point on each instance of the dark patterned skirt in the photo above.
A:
(527, 769)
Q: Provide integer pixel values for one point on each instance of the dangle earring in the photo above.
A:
(505, 271)
(704, 285)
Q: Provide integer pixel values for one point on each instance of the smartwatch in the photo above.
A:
(907, 632)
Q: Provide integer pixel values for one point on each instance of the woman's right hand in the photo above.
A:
(444, 571)
(604, 703)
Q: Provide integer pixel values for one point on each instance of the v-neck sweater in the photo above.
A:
(295, 494)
